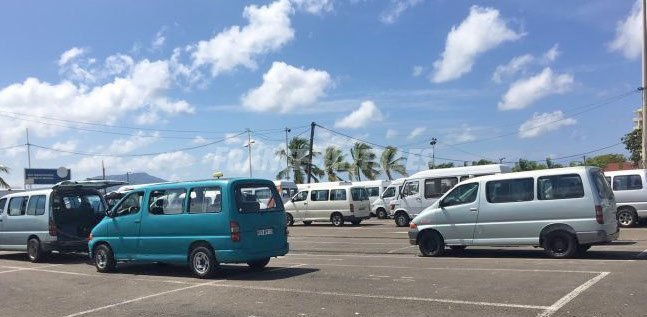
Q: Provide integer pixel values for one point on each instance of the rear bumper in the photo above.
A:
(596, 237)
(413, 236)
(66, 246)
(243, 256)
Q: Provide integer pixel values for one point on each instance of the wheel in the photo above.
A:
(458, 248)
(258, 264)
(581, 249)
(381, 213)
(356, 222)
(307, 223)
(401, 219)
(337, 220)
(104, 259)
(431, 244)
(560, 244)
(289, 219)
(203, 262)
(35, 251)
(627, 218)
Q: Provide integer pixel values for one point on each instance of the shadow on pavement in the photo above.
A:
(55, 258)
(592, 254)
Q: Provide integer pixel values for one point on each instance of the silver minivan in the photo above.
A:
(55, 219)
(563, 210)
(631, 195)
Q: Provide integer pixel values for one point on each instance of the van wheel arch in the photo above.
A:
(435, 238)
(555, 228)
(196, 244)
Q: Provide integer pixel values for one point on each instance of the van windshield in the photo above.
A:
(257, 198)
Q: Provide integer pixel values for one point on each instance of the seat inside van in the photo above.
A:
(75, 212)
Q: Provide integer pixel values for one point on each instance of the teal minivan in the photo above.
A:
(201, 223)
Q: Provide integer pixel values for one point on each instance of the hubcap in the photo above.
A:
(336, 220)
(401, 220)
(102, 259)
(625, 218)
(201, 263)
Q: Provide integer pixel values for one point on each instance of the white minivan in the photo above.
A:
(55, 219)
(374, 189)
(422, 189)
(286, 188)
(335, 202)
(380, 206)
(631, 195)
(563, 210)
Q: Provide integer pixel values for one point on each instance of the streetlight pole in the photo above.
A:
(433, 152)
(501, 160)
(249, 148)
(287, 153)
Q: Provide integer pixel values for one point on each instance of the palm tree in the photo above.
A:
(335, 161)
(391, 163)
(3, 169)
(298, 161)
(364, 161)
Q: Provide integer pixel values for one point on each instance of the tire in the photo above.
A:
(560, 245)
(104, 259)
(289, 219)
(431, 243)
(458, 248)
(356, 222)
(627, 218)
(258, 264)
(35, 251)
(381, 213)
(203, 262)
(401, 219)
(337, 220)
(307, 223)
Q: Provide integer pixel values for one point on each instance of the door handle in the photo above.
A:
(138, 221)
(473, 209)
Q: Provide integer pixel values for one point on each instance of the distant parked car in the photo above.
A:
(563, 210)
(631, 195)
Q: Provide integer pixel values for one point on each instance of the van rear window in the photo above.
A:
(248, 201)
(602, 187)
(560, 187)
(359, 193)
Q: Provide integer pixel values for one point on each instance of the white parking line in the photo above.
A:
(387, 297)
(570, 296)
(642, 254)
(399, 249)
(348, 242)
(16, 268)
(414, 256)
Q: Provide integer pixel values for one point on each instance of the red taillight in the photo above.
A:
(53, 231)
(352, 208)
(235, 231)
(413, 225)
(599, 216)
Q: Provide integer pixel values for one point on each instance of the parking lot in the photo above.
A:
(367, 270)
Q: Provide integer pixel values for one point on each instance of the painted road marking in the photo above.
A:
(570, 296)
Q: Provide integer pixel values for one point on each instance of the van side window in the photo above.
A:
(373, 191)
(205, 199)
(131, 204)
(167, 201)
(560, 187)
(410, 188)
(359, 193)
(3, 202)
(247, 201)
(319, 195)
(338, 194)
(627, 182)
(436, 187)
(510, 190)
(463, 194)
(17, 206)
(301, 196)
(36, 205)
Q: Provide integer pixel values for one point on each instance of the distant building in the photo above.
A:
(638, 118)
(620, 166)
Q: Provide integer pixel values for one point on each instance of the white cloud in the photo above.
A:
(67, 146)
(314, 6)
(286, 87)
(396, 8)
(543, 123)
(416, 132)
(417, 71)
(366, 113)
(520, 64)
(70, 54)
(465, 134)
(480, 32)
(159, 40)
(526, 91)
(628, 39)
(127, 145)
(231, 138)
(268, 30)
(391, 133)
(552, 54)
(198, 140)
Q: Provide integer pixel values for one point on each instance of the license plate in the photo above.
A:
(264, 232)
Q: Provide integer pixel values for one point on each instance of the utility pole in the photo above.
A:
(644, 83)
(249, 148)
(103, 172)
(501, 160)
(28, 149)
(312, 137)
(128, 177)
(287, 153)
(433, 152)
(583, 160)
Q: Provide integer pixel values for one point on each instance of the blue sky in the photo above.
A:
(551, 78)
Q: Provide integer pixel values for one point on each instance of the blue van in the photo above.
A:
(202, 223)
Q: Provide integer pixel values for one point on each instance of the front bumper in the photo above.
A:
(596, 237)
(413, 236)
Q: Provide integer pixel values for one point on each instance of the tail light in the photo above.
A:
(53, 231)
(235, 231)
(352, 208)
(599, 216)
(413, 225)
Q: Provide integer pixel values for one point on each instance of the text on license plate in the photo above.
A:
(264, 232)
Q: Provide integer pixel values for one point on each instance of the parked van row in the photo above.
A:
(564, 210)
(631, 195)
(334, 202)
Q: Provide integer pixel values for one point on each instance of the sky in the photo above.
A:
(151, 86)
